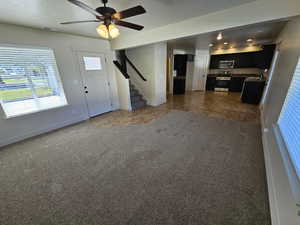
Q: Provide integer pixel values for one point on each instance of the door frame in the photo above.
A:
(76, 55)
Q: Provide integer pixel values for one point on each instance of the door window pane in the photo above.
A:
(92, 63)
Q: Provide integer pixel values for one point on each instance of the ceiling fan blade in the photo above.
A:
(129, 25)
(81, 21)
(85, 7)
(138, 10)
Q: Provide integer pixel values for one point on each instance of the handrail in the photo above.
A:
(135, 69)
(118, 65)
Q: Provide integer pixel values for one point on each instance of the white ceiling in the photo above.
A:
(49, 13)
(263, 33)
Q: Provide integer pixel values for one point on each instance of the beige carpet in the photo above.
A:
(183, 169)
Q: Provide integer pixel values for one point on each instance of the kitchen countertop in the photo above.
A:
(233, 75)
(180, 77)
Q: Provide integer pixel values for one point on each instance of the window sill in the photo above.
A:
(31, 107)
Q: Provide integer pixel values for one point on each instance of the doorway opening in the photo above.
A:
(227, 75)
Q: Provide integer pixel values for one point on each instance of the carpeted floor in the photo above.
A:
(183, 169)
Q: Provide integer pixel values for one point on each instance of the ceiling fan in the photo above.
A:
(110, 17)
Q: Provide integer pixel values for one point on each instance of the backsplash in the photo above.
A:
(237, 71)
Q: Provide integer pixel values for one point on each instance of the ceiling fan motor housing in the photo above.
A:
(106, 11)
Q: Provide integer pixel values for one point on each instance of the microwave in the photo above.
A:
(226, 64)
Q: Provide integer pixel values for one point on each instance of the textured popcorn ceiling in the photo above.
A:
(49, 13)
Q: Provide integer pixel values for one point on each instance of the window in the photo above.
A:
(92, 63)
(289, 120)
(29, 81)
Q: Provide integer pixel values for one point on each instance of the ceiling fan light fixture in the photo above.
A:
(113, 31)
(109, 18)
(102, 31)
(108, 32)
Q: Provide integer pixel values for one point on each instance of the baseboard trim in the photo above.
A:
(273, 202)
(42, 131)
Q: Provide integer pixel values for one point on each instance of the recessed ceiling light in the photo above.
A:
(210, 45)
(249, 40)
(220, 37)
(225, 43)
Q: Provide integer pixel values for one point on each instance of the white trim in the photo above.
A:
(42, 131)
(273, 202)
(34, 111)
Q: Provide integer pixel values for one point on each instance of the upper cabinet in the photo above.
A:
(261, 59)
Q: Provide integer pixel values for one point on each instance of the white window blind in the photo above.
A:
(289, 120)
(29, 80)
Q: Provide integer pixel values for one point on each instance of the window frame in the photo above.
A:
(57, 77)
(279, 132)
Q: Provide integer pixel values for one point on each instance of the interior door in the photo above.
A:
(95, 82)
(201, 67)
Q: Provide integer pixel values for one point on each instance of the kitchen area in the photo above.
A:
(245, 72)
(233, 66)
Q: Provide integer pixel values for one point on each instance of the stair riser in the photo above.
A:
(137, 100)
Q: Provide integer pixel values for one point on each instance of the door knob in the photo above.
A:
(86, 92)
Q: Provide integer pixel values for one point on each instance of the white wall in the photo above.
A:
(64, 47)
(123, 91)
(281, 193)
(201, 68)
(150, 60)
(250, 13)
(189, 75)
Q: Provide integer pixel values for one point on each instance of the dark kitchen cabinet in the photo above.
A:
(253, 91)
(241, 60)
(210, 83)
(236, 84)
(261, 59)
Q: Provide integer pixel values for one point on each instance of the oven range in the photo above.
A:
(222, 83)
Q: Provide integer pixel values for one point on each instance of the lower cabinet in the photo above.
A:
(210, 83)
(236, 84)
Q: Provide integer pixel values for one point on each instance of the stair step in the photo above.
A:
(136, 98)
(134, 92)
(138, 105)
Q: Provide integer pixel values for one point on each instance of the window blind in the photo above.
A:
(29, 80)
(289, 120)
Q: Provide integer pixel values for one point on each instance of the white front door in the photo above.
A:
(201, 66)
(95, 82)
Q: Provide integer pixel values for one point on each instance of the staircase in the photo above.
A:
(137, 100)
